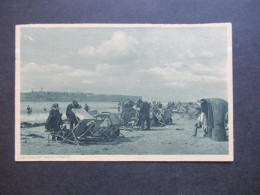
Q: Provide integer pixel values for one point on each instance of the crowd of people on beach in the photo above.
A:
(154, 113)
(142, 114)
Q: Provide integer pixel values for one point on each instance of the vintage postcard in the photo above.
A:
(124, 92)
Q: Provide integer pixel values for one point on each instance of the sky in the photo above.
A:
(161, 64)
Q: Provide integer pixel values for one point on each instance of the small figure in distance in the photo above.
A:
(138, 108)
(87, 108)
(29, 110)
(119, 107)
(179, 106)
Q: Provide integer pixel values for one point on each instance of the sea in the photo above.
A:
(38, 114)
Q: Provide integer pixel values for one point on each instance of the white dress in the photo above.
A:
(204, 121)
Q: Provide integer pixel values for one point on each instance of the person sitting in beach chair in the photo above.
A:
(54, 121)
(157, 117)
(202, 123)
(167, 116)
(110, 125)
(70, 115)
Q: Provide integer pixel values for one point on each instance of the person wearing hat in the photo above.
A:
(70, 115)
(54, 120)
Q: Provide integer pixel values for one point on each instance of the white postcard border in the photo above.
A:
(121, 158)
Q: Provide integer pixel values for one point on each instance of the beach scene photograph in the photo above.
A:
(124, 92)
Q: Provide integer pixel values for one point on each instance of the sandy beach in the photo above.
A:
(170, 139)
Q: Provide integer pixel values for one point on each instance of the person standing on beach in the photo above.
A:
(179, 106)
(86, 107)
(138, 107)
(144, 111)
(29, 110)
(127, 112)
(54, 120)
(203, 123)
(70, 115)
(119, 107)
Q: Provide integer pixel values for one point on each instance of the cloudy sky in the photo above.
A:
(166, 64)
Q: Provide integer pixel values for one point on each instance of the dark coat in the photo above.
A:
(54, 120)
(145, 109)
(86, 108)
(70, 115)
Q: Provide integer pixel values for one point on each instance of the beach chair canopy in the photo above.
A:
(82, 114)
(114, 119)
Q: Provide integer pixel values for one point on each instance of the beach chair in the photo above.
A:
(110, 125)
(84, 128)
(158, 117)
(166, 118)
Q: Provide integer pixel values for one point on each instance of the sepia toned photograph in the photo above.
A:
(124, 92)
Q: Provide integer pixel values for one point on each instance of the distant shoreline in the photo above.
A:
(66, 100)
(42, 96)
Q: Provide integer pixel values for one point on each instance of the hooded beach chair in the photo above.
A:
(216, 111)
(85, 127)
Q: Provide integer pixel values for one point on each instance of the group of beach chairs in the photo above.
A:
(161, 117)
(105, 125)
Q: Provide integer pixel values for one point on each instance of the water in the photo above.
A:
(39, 116)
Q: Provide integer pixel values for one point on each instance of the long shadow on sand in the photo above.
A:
(31, 135)
(105, 141)
(162, 128)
